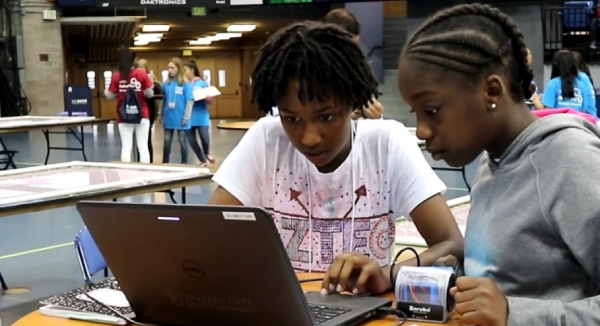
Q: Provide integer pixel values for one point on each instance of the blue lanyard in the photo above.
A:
(173, 91)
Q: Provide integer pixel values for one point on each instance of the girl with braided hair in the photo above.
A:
(531, 256)
(333, 185)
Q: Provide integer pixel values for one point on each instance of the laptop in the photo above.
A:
(214, 265)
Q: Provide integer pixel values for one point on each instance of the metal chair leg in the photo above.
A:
(172, 195)
(3, 283)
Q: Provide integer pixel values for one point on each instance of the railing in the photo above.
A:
(568, 28)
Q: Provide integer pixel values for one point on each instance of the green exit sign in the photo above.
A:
(199, 11)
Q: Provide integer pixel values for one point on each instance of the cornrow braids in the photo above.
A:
(322, 58)
(474, 39)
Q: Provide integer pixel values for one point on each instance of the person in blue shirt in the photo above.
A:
(177, 109)
(582, 66)
(569, 88)
(200, 122)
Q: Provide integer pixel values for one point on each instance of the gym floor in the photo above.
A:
(36, 249)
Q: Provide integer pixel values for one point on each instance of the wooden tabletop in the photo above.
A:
(37, 319)
(236, 125)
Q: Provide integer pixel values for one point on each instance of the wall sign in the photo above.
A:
(160, 3)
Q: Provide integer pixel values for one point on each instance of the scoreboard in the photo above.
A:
(189, 4)
(279, 2)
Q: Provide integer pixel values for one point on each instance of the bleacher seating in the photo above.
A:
(568, 27)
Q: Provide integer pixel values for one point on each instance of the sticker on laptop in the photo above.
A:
(239, 216)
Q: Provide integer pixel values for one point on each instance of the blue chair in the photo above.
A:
(90, 258)
(577, 15)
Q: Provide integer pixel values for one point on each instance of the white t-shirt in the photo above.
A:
(390, 175)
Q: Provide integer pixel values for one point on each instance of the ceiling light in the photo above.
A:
(212, 38)
(139, 43)
(147, 39)
(149, 35)
(222, 36)
(226, 36)
(200, 42)
(207, 39)
(241, 28)
(155, 28)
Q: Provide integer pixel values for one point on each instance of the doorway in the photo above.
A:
(228, 80)
(97, 77)
(108, 108)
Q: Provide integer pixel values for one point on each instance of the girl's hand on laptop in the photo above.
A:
(356, 273)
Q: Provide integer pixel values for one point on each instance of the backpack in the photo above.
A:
(131, 108)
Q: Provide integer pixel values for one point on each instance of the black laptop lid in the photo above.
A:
(198, 265)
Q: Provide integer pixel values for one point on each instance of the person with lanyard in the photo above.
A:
(177, 110)
(143, 64)
(531, 256)
(333, 185)
(200, 116)
(345, 19)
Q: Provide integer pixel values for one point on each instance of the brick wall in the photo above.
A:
(44, 65)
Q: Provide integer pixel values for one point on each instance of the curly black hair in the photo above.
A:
(474, 40)
(322, 58)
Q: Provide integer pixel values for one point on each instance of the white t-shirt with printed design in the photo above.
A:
(391, 178)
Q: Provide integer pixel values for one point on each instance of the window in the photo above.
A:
(164, 74)
(222, 81)
(206, 76)
(91, 79)
(107, 74)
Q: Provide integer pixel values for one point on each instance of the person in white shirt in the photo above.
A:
(333, 185)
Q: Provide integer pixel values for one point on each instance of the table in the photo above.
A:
(236, 125)
(65, 184)
(74, 126)
(408, 235)
(37, 319)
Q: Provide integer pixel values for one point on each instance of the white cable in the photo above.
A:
(310, 206)
(353, 182)
(310, 244)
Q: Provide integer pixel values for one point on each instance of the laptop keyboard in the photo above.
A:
(323, 313)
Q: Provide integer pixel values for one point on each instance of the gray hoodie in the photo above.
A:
(534, 222)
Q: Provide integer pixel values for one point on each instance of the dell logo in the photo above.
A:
(193, 269)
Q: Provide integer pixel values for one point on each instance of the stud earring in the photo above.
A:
(492, 105)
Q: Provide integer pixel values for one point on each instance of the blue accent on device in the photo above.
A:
(424, 292)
